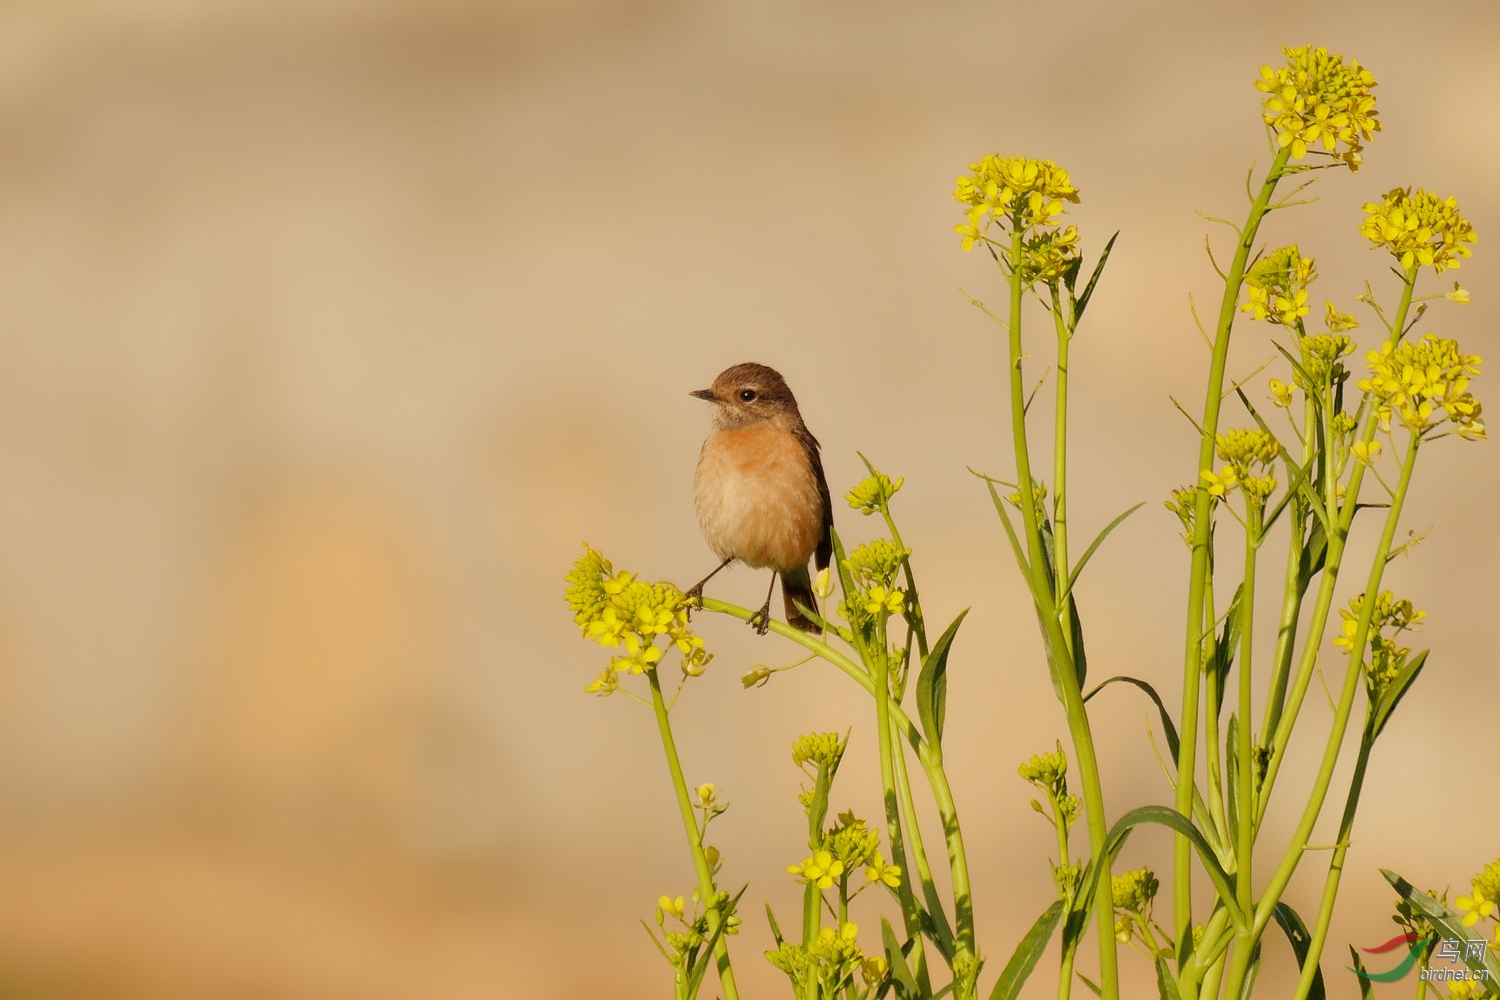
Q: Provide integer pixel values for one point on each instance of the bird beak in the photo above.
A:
(705, 394)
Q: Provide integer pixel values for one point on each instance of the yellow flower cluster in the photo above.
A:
(1135, 890)
(1321, 354)
(827, 966)
(1017, 190)
(1389, 618)
(825, 749)
(1183, 499)
(615, 609)
(1048, 255)
(1244, 449)
(873, 494)
(1278, 286)
(1425, 382)
(1419, 229)
(1047, 771)
(876, 562)
(1317, 98)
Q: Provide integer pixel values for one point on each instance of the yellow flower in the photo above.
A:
(1476, 907)
(1047, 770)
(1048, 255)
(1366, 454)
(639, 657)
(1338, 322)
(876, 562)
(1316, 98)
(873, 494)
(1122, 930)
(1459, 295)
(878, 599)
(1281, 393)
(823, 584)
(1419, 229)
(1014, 190)
(706, 795)
(873, 970)
(666, 906)
(1425, 382)
(1222, 484)
(1277, 286)
(879, 871)
(820, 870)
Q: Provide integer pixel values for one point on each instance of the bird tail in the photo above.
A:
(796, 588)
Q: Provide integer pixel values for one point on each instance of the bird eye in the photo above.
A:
(748, 395)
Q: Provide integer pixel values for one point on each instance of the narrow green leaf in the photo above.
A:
(1300, 480)
(1395, 691)
(1174, 820)
(1314, 554)
(1092, 985)
(1027, 953)
(1089, 552)
(1088, 290)
(1366, 988)
(1166, 717)
(932, 683)
(775, 928)
(1448, 923)
(906, 983)
(1232, 771)
(1225, 646)
(1296, 933)
(1165, 984)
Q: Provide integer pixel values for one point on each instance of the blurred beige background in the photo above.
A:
(329, 330)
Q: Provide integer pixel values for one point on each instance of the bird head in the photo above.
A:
(747, 394)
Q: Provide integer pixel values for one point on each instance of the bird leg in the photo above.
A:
(695, 594)
(761, 620)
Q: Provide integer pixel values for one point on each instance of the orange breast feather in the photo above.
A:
(757, 497)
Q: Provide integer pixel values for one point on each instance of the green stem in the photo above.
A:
(1293, 593)
(1182, 887)
(1061, 567)
(1335, 870)
(913, 605)
(706, 890)
(1352, 674)
(930, 755)
(1245, 787)
(881, 670)
(1342, 517)
(914, 839)
(1212, 701)
(1057, 642)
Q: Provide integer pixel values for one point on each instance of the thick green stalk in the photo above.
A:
(931, 757)
(1057, 642)
(1352, 674)
(1182, 886)
(695, 837)
(1341, 518)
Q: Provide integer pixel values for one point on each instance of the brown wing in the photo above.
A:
(810, 445)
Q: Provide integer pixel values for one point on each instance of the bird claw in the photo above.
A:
(694, 597)
(761, 620)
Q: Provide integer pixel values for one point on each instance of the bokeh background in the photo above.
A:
(329, 331)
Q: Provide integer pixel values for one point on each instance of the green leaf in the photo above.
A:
(906, 983)
(1166, 717)
(1094, 545)
(1296, 933)
(932, 683)
(695, 975)
(1448, 923)
(1395, 691)
(1088, 290)
(1092, 985)
(1027, 953)
(1224, 646)
(1247, 985)
(1168, 817)
(775, 929)
(1232, 771)
(1165, 984)
(1366, 988)
(1075, 625)
(1314, 554)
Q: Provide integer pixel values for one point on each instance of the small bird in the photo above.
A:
(760, 491)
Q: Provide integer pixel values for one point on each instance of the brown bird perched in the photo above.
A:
(760, 491)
